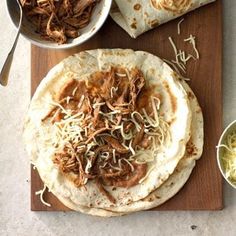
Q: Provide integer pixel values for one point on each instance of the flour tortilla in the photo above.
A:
(166, 191)
(174, 183)
(82, 65)
(139, 16)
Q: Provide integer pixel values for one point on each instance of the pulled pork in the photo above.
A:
(59, 20)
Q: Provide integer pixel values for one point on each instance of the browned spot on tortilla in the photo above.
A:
(171, 121)
(154, 23)
(172, 97)
(190, 95)
(199, 110)
(149, 199)
(157, 197)
(191, 148)
(176, 75)
(129, 201)
(134, 25)
(137, 7)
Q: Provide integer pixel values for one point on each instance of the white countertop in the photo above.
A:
(15, 215)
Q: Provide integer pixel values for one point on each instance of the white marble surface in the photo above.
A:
(15, 215)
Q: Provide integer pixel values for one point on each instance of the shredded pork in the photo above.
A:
(59, 20)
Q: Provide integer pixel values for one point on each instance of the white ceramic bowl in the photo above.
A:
(230, 128)
(99, 16)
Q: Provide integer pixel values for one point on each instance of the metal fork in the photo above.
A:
(4, 75)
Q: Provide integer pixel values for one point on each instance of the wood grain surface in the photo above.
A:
(203, 191)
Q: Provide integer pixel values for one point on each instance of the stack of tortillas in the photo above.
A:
(174, 159)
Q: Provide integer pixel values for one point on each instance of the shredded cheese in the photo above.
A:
(131, 148)
(178, 26)
(95, 105)
(109, 113)
(176, 55)
(40, 193)
(113, 89)
(131, 166)
(114, 155)
(173, 45)
(192, 41)
(138, 127)
(114, 167)
(68, 99)
(125, 136)
(103, 166)
(144, 156)
(181, 57)
(60, 106)
(172, 64)
(88, 166)
(81, 101)
(74, 91)
(150, 122)
(121, 75)
(34, 167)
(105, 155)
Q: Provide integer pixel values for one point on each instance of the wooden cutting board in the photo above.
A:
(203, 191)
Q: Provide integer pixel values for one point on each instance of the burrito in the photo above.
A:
(139, 16)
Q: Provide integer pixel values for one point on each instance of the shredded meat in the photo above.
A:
(96, 133)
(67, 89)
(104, 191)
(68, 164)
(114, 143)
(138, 174)
(128, 126)
(59, 20)
(96, 115)
(136, 85)
(145, 142)
(138, 138)
(114, 174)
(106, 101)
